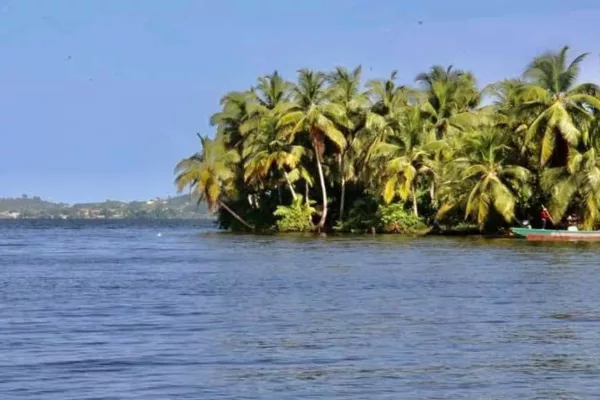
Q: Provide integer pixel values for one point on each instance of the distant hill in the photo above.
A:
(178, 207)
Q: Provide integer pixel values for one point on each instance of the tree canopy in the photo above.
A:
(329, 151)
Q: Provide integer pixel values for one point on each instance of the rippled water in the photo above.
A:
(113, 311)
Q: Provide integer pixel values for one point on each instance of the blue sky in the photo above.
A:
(99, 99)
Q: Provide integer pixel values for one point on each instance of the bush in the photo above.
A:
(366, 213)
(296, 217)
(361, 216)
(395, 218)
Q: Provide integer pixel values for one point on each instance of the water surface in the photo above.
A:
(97, 310)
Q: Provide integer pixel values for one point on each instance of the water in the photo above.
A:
(113, 311)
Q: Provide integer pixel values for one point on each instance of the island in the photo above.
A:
(330, 152)
(33, 207)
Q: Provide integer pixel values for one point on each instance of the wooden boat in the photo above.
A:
(549, 234)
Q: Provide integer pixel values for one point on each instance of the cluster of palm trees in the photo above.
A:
(445, 148)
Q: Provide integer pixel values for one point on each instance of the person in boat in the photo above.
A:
(545, 217)
(572, 223)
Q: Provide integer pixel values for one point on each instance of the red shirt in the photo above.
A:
(544, 214)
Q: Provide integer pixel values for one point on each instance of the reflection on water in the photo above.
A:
(115, 311)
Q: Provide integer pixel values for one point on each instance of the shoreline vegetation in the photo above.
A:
(331, 153)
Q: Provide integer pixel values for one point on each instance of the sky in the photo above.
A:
(100, 99)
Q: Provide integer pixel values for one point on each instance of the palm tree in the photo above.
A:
(313, 113)
(405, 158)
(388, 141)
(482, 181)
(346, 91)
(386, 95)
(579, 187)
(269, 94)
(232, 117)
(272, 90)
(266, 150)
(507, 99)
(388, 103)
(232, 123)
(576, 186)
(209, 175)
(450, 97)
(561, 109)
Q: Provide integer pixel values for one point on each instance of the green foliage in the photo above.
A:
(353, 148)
(362, 216)
(296, 217)
(366, 213)
(395, 218)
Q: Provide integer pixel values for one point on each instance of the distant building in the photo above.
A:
(9, 215)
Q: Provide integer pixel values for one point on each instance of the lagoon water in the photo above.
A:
(98, 310)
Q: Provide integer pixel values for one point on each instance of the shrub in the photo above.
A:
(361, 216)
(296, 217)
(367, 213)
(395, 218)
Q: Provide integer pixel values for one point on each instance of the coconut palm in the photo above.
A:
(576, 186)
(562, 109)
(232, 117)
(266, 151)
(209, 175)
(386, 95)
(405, 157)
(482, 181)
(450, 97)
(388, 103)
(578, 189)
(383, 141)
(271, 92)
(311, 112)
(346, 91)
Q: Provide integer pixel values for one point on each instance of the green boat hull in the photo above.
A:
(549, 234)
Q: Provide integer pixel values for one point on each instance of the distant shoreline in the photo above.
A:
(200, 218)
(178, 207)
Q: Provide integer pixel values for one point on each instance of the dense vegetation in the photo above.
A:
(327, 152)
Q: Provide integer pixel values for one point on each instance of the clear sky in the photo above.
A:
(99, 99)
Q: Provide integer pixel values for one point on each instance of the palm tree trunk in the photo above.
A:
(343, 199)
(287, 178)
(230, 211)
(432, 192)
(279, 194)
(321, 223)
(307, 192)
(414, 201)
(343, 194)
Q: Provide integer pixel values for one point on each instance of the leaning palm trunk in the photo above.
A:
(321, 223)
(414, 202)
(287, 178)
(234, 214)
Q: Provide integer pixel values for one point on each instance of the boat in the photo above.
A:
(555, 235)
